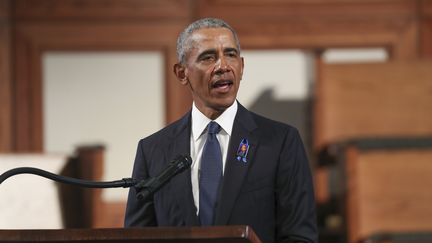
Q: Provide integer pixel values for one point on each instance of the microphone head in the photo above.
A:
(151, 185)
(183, 162)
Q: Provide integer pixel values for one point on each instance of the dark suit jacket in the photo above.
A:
(272, 192)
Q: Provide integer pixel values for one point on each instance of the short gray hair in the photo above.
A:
(183, 43)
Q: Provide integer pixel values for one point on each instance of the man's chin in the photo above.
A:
(225, 104)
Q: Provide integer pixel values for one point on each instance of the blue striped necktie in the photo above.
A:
(210, 175)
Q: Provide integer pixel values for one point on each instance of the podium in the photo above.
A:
(215, 234)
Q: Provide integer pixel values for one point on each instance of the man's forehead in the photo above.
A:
(210, 36)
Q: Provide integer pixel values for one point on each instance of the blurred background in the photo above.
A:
(81, 81)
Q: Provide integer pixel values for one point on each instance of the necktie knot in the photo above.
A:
(213, 128)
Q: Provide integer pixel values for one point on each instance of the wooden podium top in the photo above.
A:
(215, 234)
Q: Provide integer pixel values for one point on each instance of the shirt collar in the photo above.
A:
(200, 121)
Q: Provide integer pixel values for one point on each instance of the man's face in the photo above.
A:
(213, 70)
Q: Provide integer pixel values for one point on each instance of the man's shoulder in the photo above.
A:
(267, 129)
(170, 131)
(269, 124)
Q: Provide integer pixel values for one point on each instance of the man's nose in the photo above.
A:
(221, 65)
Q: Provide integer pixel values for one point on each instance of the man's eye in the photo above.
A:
(232, 54)
(207, 58)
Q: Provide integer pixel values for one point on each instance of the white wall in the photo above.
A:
(286, 72)
(355, 55)
(110, 98)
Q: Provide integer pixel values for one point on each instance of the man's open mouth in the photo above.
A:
(222, 84)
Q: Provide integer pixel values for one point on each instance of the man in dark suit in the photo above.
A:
(246, 170)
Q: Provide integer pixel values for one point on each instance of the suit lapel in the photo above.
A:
(235, 170)
(181, 184)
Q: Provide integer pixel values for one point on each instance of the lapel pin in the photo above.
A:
(243, 150)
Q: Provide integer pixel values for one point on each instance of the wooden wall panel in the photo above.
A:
(5, 78)
(386, 191)
(321, 24)
(425, 7)
(277, 10)
(102, 9)
(26, 91)
(426, 38)
(426, 28)
(373, 100)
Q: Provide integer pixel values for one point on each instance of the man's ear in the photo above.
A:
(242, 67)
(180, 73)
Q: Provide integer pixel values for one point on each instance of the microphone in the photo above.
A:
(144, 188)
(147, 187)
(125, 182)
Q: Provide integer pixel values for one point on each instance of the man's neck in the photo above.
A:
(211, 113)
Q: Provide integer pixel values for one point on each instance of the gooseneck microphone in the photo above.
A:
(145, 188)
(125, 182)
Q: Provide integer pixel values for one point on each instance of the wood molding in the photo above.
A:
(26, 92)
(5, 78)
(5, 12)
(426, 8)
(426, 38)
(405, 43)
(216, 234)
(111, 10)
(254, 11)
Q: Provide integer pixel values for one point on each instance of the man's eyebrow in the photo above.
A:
(213, 51)
(231, 49)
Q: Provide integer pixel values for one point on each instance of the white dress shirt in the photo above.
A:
(199, 136)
